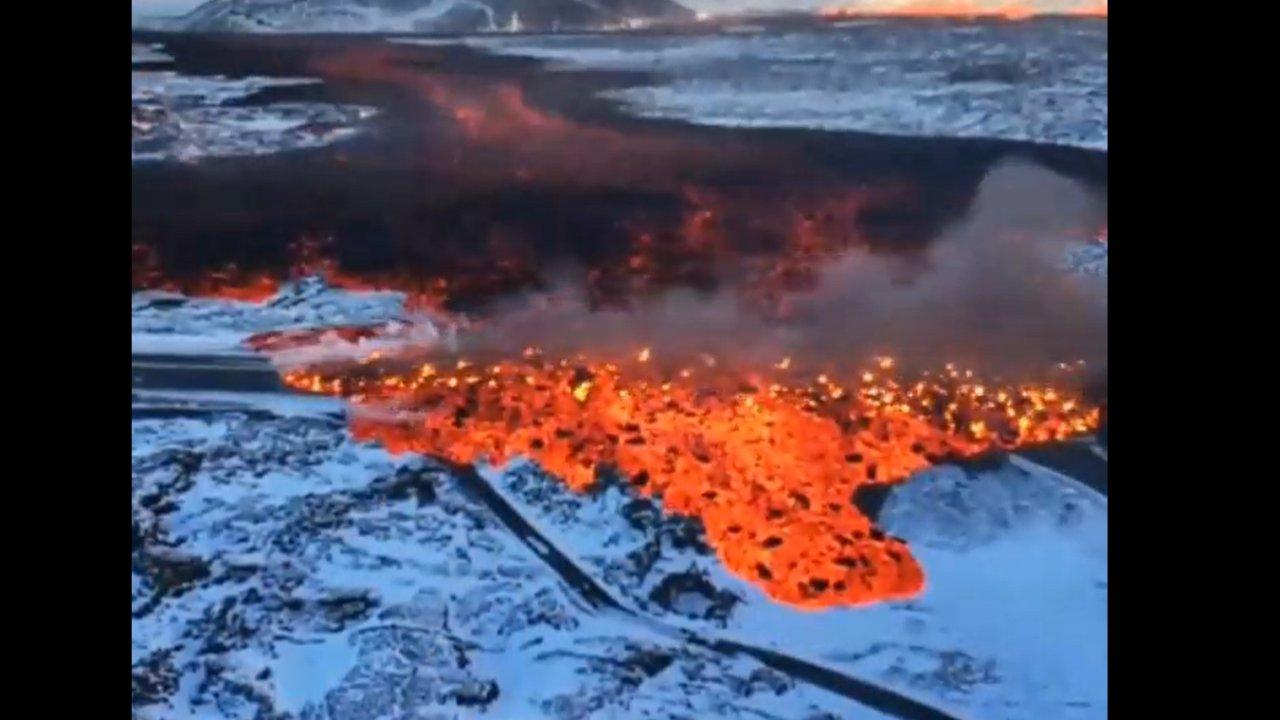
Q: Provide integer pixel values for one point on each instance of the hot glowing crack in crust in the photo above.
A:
(767, 462)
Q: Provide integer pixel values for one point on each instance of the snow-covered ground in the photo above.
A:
(1043, 81)
(279, 567)
(281, 570)
(1013, 622)
(165, 321)
(168, 323)
(183, 117)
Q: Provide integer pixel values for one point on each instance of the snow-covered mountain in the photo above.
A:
(421, 15)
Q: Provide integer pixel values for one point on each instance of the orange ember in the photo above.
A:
(767, 461)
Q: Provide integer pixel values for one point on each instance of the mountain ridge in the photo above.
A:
(419, 15)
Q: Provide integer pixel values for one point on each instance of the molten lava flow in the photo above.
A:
(768, 245)
(768, 462)
(227, 282)
(423, 291)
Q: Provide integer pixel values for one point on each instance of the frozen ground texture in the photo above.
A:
(281, 571)
(182, 117)
(1043, 81)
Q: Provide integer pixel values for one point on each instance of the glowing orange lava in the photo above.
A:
(769, 461)
(1094, 9)
(937, 8)
(423, 291)
(1004, 9)
(227, 282)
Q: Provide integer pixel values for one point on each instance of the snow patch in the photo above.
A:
(1040, 81)
(187, 118)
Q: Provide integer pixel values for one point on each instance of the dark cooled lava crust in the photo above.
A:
(575, 185)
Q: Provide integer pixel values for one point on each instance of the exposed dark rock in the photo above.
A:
(344, 608)
(644, 558)
(642, 514)
(869, 498)
(316, 514)
(171, 571)
(408, 482)
(476, 694)
(163, 303)
(691, 594)
(229, 626)
(985, 463)
(1001, 72)
(155, 679)
(649, 661)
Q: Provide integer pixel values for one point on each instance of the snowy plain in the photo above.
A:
(1042, 81)
(187, 118)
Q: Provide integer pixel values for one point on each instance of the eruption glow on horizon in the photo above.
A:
(1023, 8)
(1007, 9)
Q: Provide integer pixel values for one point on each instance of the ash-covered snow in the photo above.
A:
(184, 117)
(1042, 81)
(280, 570)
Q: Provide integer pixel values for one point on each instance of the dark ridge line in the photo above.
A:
(581, 582)
(1074, 460)
(232, 361)
(875, 696)
(163, 371)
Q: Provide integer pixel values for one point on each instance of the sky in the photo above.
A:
(163, 7)
(167, 7)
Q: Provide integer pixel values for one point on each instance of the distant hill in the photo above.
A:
(418, 15)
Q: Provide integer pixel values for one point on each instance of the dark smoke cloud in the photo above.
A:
(988, 293)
